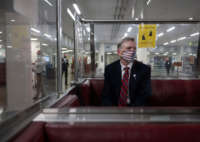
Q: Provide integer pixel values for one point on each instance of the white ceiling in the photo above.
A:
(123, 10)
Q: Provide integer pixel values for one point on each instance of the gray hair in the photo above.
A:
(124, 40)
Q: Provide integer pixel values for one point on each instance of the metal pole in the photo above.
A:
(92, 49)
(75, 53)
(138, 22)
(59, 37)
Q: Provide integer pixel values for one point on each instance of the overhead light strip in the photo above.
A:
(77, 9)
(70, 13)
(35, 30)
(49, 3)
(195, 34)
(170, 29)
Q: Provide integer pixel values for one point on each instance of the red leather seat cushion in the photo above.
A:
(139, 132)
(33, 133)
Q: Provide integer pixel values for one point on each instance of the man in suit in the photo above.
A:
(127, 82)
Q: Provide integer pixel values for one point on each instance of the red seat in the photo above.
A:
(125, 132)
(164, 92)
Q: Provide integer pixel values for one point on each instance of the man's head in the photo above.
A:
(127, 49)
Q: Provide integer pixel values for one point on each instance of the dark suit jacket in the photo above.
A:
(139, 84)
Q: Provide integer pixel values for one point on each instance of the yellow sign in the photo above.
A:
(147, 36)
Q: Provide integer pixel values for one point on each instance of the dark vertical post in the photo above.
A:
(198, 57)
(59, 36)
(92, 49)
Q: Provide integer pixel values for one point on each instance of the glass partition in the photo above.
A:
(176, 44)
(28, 59)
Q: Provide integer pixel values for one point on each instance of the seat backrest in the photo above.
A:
(32, 133)
(128, 132)
(164, 92)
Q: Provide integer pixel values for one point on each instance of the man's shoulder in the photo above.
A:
(142, 65)
(113, 64)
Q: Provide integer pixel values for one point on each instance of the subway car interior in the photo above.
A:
(58, 65)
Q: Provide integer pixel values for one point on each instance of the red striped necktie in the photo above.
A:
(124, 88)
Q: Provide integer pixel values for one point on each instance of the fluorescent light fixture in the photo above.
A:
(64, 48)
(49, 3)
(0, 40)
(109, 53)
(125, 34)
(47, 35)
(35, 30)
(170, 29)
(190, 54)
(160, 34)
(55, 39)
(191, 18)
(142, 15)
(181, 38)
(88, 29)
(174, 53)
(34, 39)
(132, 13)
(148, 2)
(44, 44)
(157, 53)
(9, 46)
(166, 53)
(67, 51)
(136, 19)
(70, 13)
(173, 41)
(195, 34)
(1, 32)
(129, 29)
(166, 43)
(77, 9)
(13, 20)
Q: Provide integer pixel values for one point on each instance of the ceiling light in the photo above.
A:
(109, 53)
(34, 39)
(49, 3)
(195, 34)
(129, 29)
(125, 34)
(35, 30)
(148, 2)
(170, 29)
(173, 41)
(191, 18)
(181, 38)
(157, 53)
(132, 13)
(88, 29)
(174, 53)
(166, 43)
(0, 46)
(1, 32)
(77, 9)
(9, 46)
(44, 44)
(70, 13)
(160, 34)
(12, 20)
(136, 19)
(47, 35)
(0, 40)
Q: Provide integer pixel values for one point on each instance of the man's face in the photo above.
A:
(126, 46)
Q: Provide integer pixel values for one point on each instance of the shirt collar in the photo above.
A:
(129, 65)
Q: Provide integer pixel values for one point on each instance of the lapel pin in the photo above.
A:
(134, 75)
